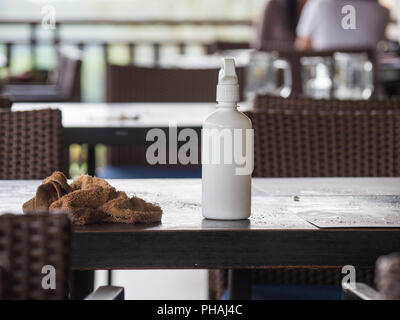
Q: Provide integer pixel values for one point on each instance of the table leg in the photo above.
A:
(239, 284)
(91, 161)
(82, 283)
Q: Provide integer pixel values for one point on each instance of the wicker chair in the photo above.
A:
(31, 144)
(28, 242)
(280, 46)
(137, 84)
(337, 143)
(295, 142)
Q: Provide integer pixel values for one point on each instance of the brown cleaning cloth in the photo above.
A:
(91, 200)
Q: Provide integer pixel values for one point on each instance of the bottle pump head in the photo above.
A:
(228, 87)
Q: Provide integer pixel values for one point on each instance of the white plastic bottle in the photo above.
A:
(226, 172)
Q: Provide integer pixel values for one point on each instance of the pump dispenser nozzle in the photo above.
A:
(228, 87)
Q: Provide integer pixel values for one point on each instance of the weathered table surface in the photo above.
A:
(281, 231)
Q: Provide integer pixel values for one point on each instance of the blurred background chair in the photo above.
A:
(220, 46)
(387, 281)
(28, 242)
(138, 84)
(66, 87)
(294, 138)
(266, 102)
(330, 142)
(31, 144)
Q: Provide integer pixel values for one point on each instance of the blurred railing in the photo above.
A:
(33, 39)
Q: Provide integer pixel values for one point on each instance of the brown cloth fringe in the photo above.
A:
(91, 200)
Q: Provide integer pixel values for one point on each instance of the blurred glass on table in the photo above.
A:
(263, 75)
(316, 75)
(354, 77)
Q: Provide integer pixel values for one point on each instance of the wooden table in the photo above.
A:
(277, 234)
(122, 123)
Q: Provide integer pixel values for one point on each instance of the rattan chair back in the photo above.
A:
(32, 248)
(265, 102)
(331, 143)
(31, 144)
(139, 84)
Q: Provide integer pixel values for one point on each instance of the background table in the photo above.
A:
(122, 123)
(277, 234)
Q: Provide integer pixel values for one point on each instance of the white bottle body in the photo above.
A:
(226, 195)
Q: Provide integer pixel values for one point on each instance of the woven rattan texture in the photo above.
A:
(331, 143)
(31, 144)
(263, 102)
(29, 242)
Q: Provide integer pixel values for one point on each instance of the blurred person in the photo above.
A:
(278, 22)
(320, 25)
